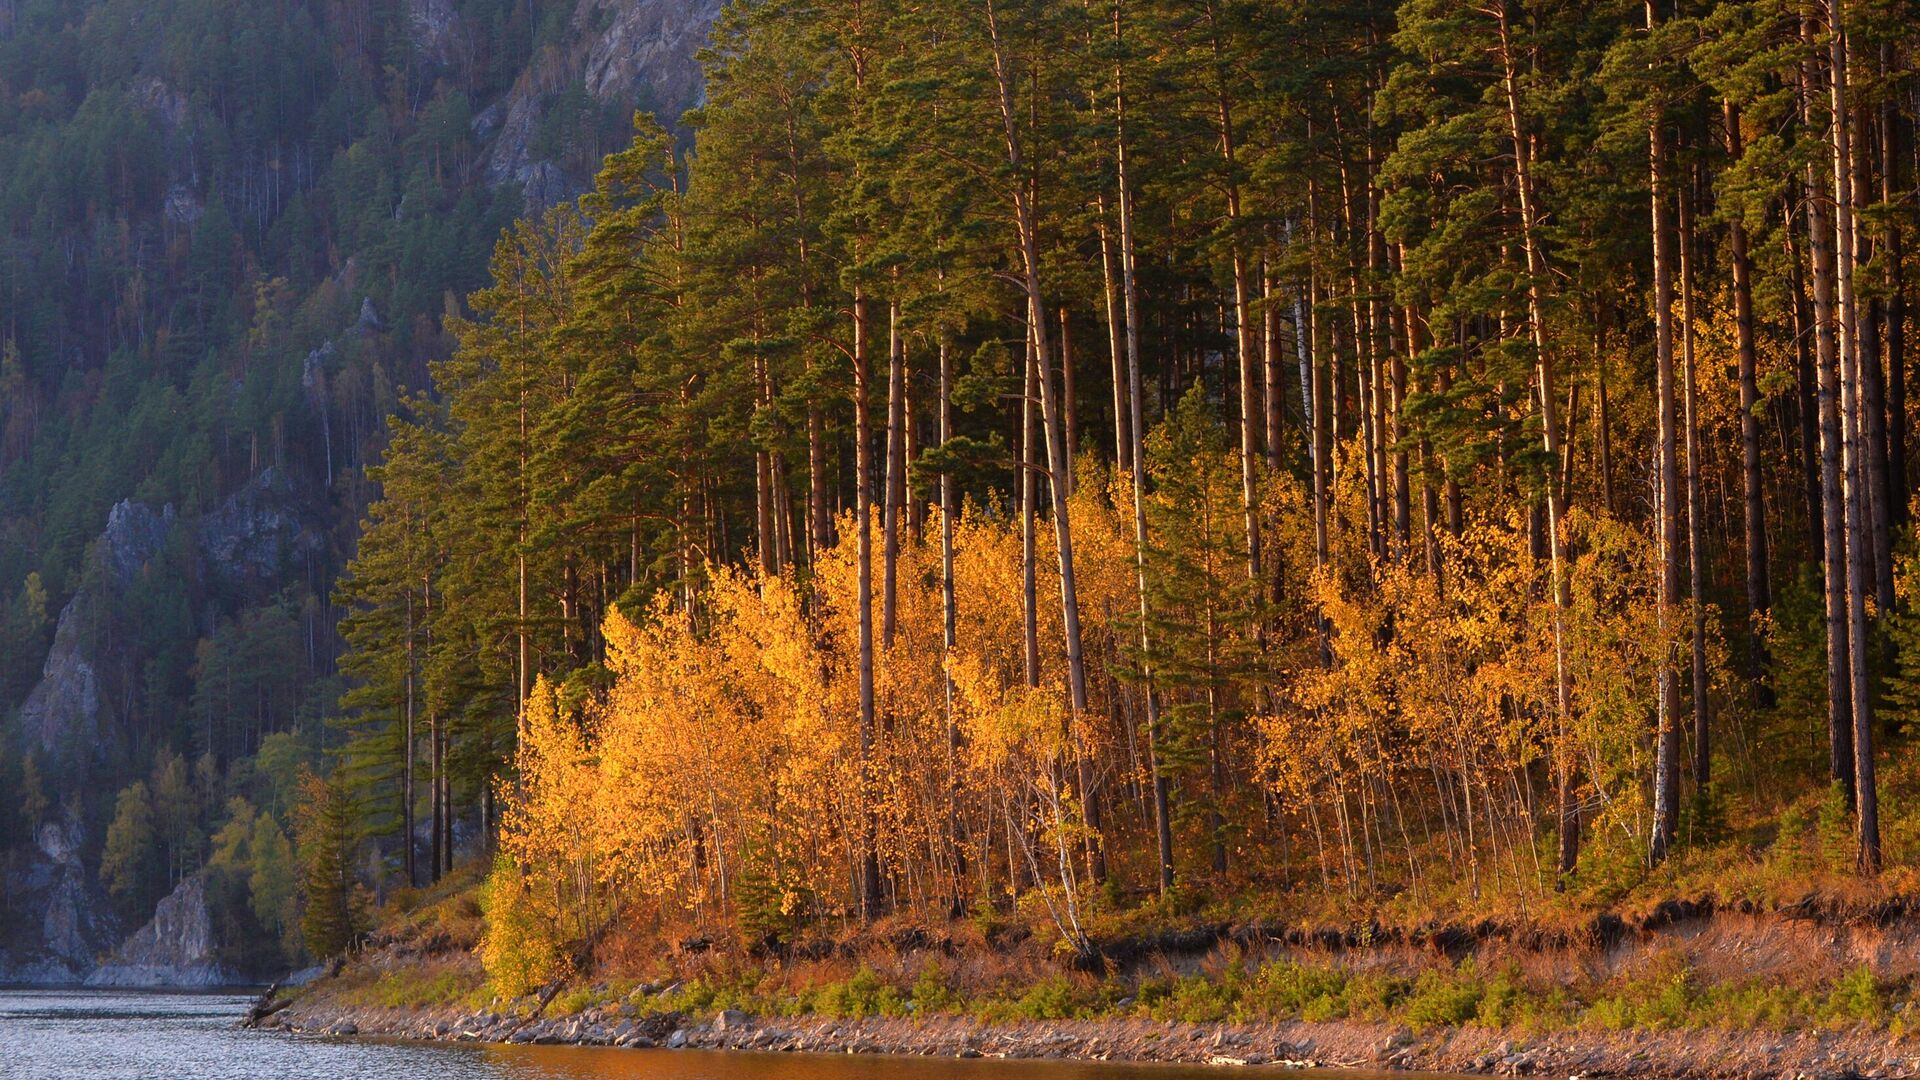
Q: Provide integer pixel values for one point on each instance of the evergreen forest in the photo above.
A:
(1089, 464)
(1107, 461)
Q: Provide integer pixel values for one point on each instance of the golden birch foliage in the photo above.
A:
(546, 900)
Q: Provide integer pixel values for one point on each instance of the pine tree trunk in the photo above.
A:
(1162, 811)
(1856, 449)
(1696, 540)
(1873, 383)
(1896, 310)
(1052, 414)
(1808, 386)
(1820, 245)
(1069, 398)
(896, 479)
(435, 757)
(1754, 521)
(869, 870)
(1603, 426)
(1029, 498)
(406, 762)
(1273, 382)
(1567, 811)
(1116, 335)
(949, 623)
(1666, 769)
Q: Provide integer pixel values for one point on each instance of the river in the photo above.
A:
(121, 1035)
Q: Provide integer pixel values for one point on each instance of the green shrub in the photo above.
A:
(1373, 995)
(1195, 999)
(1286, 990)
(1856, 999)
(1444, 999)
(932, 993)
(1055, 998)
(862, 996)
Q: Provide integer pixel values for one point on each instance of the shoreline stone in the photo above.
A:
(1679, 1055)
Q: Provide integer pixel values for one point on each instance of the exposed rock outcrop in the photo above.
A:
(57, 921)
(435, 29)
(636, 54)
(254, 532)
(135, 533)
(174, 949)
(646, 55)
(61, 717)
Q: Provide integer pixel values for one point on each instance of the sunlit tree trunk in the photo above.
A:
(1567, 811)
(1696, 538)
(1820, 246)
(1754, 521)
(896, 478)
(1162, 816)
(869, 869)
(1856, 450)
(1666, 768)
(1052, 414)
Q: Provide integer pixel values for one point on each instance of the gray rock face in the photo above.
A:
(645, 56)
(639, 54)
(135, 533)
(61, 922)
(57, 921)
(434, 28)
(254, 531)
(175, 949)
(62, 714)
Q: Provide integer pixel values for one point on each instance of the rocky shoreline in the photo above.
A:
(1680, 1055)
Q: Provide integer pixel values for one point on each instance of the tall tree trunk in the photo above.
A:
(869, 870)
(1807, 385)
(1696, 510)
(1252, 417)
(1273, 382)
(1896, 289)
(1873, 383)
(1162, 810)
(1820, 245)
(1603, 426)
(1666, 769)
(1759, 595)
(1856, 450)
(406, 760)
(1068, 397)
(1052, 414)
(1029, 500)
(1116, 337)
(949, 622)
(1568, 808)
(896, 478)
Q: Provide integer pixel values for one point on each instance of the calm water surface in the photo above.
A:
(117, 1035)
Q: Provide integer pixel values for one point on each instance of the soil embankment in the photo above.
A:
(1811, 945)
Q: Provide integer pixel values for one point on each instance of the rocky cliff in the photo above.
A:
(283, 526)
(54, 920)
(629, 54)
(175, 949)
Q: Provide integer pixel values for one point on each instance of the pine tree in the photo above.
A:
(333, 913)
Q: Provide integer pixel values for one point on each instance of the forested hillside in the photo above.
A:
(1435, 458)
(233, 232)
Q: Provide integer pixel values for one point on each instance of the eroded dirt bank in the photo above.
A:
(1719, 947)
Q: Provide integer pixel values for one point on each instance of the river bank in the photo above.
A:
(1677, 1054)
(1690, 989)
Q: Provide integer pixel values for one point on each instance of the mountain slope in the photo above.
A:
(234, 228)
